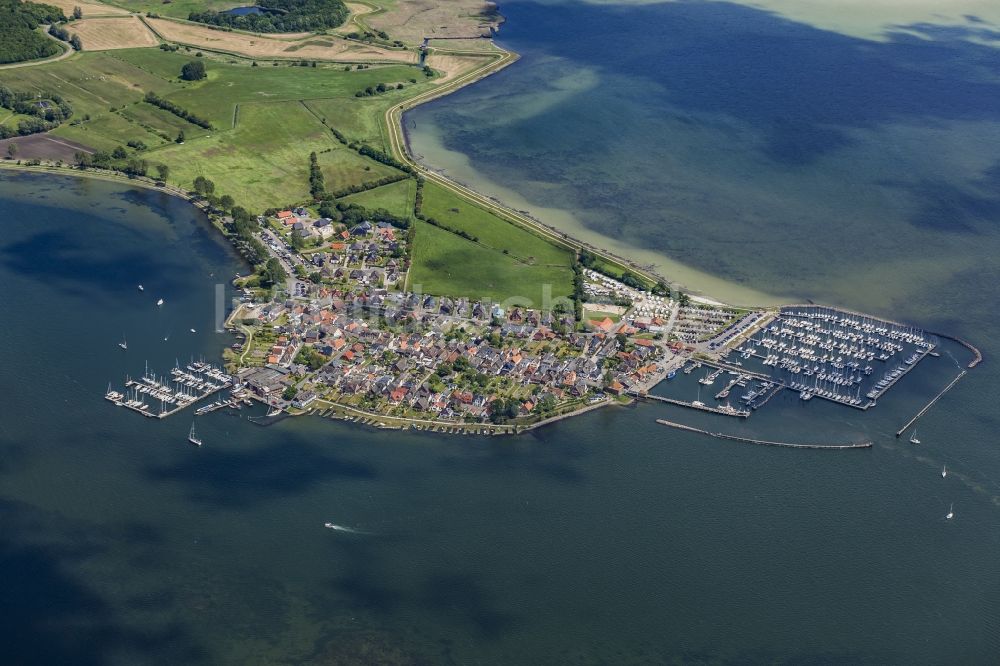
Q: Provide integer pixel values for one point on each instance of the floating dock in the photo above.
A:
(764, 442)
(185, 387)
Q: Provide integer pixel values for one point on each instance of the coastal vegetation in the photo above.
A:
(19, 39)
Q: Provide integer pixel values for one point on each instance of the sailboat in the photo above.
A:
(944, 471)
(159, 302)
(951, 512)
(141, 288)
(913, 438)
(194, 439)
(123, 344)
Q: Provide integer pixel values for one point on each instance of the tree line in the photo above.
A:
(180, 112)
(281, 16)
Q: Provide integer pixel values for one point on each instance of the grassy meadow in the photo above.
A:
(266, 120)
(446, 264)
(397, 198)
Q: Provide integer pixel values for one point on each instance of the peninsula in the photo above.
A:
(381, 291)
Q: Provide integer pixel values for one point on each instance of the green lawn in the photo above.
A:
(446, 264)
(397, 198)
(456, 213)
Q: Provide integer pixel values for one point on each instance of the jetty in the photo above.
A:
(764, 442)
(931, 403)
(725, 410)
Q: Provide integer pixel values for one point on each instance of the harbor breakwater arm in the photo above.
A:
(764, 442)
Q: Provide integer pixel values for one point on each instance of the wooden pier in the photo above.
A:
(764, 442)
(931, 403)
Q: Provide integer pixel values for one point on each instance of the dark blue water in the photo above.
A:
(605, 539)
(243, 11)
(773, 153)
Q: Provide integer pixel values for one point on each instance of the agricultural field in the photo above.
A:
(105, 34)
(457, 213)
(412, 20)
(446, 264)
(89, 9)
(397, 198)
(318, 47)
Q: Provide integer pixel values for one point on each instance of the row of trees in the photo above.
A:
(317, 186)
(378, 90)
(281, 16)
(62, 33)
(167, 105)
(384, 158)
(114, 161)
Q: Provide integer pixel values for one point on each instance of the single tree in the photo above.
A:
(77, 13)
(226, 202)
(75, 42)
(11, 151)
(163, 171)
(193, 71)
(180, 137)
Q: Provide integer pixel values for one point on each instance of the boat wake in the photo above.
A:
(342, 528)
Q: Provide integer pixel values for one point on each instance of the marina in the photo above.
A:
(846, 358)
(154, 396)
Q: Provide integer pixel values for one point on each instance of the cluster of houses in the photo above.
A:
(358, 339)
(429, 357)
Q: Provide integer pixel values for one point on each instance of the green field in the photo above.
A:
(457, 213)
(446, 264)
(91, 82)
(357, 119)
(266, 121)
(397, 198)
(264, 162)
